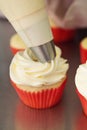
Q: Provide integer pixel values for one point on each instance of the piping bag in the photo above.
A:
(29, 19)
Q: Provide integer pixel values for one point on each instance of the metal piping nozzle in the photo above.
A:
(45, 52)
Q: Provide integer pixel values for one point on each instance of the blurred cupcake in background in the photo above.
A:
(81, 85)
(16, 44)
(60, 34)
(83, 50)
(31, 119)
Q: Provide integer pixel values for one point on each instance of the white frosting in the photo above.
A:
(81, 79)
(25, 71)
(29, 18)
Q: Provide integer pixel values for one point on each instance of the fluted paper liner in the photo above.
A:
(83, 101)
(61, 35)
(41, 99)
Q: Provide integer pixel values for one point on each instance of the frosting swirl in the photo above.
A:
(81, 79)
(25, 71)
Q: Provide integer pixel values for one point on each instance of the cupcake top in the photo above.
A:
(81, 79)
(84, 43)
(17, 42)
(26, 70)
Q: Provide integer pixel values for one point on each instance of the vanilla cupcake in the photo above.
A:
(16, 44)
(39, 85)
(60, 34)
(83, 50)
(81, 85)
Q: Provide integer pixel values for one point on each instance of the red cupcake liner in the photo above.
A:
(42, 99)
(15, 50)
(83, 54)
(83, 102)
(62, 35)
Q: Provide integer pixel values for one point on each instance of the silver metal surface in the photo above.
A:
(45, 53)
(14, 115)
